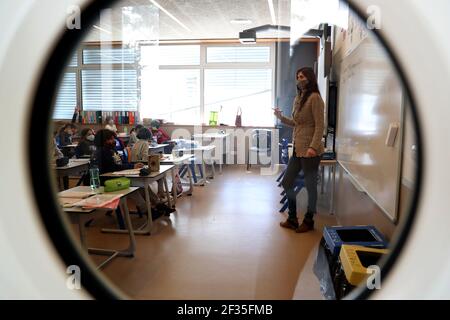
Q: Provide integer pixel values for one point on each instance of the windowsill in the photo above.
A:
(167, 125)
(212, 127)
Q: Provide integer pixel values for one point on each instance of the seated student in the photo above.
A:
(133, 135)
(110, 124)
(161, 135)
(86, 144)
(108, 160)
(56, 152)
(139, 152)
(120, 148)
(65, 135)
(65, 138)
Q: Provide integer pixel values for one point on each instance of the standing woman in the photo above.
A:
(308, 123)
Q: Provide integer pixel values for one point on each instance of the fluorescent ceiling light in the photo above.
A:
(170, 15)
(272, 12)
(241, 21)
(101, 29)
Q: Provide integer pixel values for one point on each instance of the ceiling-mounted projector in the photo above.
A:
(247, 37)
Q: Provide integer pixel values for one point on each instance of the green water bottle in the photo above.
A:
(213, 117)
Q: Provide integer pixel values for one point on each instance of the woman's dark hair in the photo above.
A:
(64, 127)
(311, 87)
(138, 127)
(108, 119)
(84, 133)
(144, 134)
(102, 136)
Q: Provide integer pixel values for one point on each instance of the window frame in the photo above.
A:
(204, 65)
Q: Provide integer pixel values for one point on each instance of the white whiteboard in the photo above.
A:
(370, 100)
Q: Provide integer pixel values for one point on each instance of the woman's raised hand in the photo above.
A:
(277, 112)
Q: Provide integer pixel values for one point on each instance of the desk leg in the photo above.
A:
(111, 253)
(213, 169)
(205, 178)
(129, 252)
(146, 228)
(191, 183)
(149, 225)
(169, 202)
(174, 185)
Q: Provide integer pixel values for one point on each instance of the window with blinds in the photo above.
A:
(250, 89)
(109, 56)
(66, 98)
(109, 90)
(188, 55)
(230, 54)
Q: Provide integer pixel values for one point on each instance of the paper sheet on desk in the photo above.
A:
(130, 172)
(68, 202)
(106, 201)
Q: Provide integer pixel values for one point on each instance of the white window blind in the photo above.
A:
(109, 56)
(173, 95)
(73, 61)
(109, 90)
(228, 89)
(66, 98)
(238, 54)
(170, 55)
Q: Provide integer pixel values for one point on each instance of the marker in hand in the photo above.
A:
(277, 112)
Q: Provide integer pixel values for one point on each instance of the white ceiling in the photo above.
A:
(203, 19)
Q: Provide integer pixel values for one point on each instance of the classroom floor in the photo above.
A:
(224, 242)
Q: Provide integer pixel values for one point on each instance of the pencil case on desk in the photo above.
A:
(117, 184)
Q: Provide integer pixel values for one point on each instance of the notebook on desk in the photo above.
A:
(129, 172)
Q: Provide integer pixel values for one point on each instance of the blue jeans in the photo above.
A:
(310, 167)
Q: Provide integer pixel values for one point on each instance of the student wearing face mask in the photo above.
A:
(108, 160)
(86, 145)
(308, 123)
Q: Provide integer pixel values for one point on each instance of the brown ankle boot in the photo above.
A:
(307, 225)
(290, 224)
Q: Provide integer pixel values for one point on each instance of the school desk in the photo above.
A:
(79, 215)
(201, 153)
(133, 174)
(169, 159)
(74, 167)
(225, 143)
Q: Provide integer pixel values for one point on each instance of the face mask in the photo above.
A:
(90, 137)
(301, 84)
